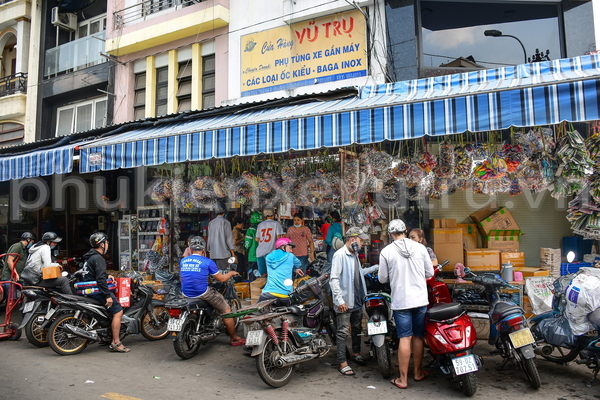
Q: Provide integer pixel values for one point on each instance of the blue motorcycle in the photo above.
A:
(556, 342)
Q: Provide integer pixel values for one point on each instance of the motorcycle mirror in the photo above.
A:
(570, 256)
(256, 273)
(64, 273)
(55, 253)
(231, 260)
(288, 282)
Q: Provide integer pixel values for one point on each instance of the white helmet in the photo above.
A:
(396, 226)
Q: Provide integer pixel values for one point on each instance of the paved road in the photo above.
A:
(152, 370)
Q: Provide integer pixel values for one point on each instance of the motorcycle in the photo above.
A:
(282, 337)
(193, 322)
(81, 320)
(560, 346)
(509, 329)
(437, 290)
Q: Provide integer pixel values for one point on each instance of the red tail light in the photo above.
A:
(454, 334)
(175, 312)
(374, 303)
(517, 320)
(461, 354)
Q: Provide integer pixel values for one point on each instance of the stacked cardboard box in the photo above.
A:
(517, 259)
(448, 245)
(482, 259)
(443, 223)
(469, 235)
(256, 289)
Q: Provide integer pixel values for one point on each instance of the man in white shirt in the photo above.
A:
(406, 265)
(267, 233)
(220, 239)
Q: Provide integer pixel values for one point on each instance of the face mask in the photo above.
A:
(29, 245)
(298, 226)
(355, 247)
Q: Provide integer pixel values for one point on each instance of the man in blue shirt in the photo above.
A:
(281, 264)
(194, 271)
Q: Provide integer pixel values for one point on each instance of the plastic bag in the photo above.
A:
(556, 331)
(539, 290)
(583, 298)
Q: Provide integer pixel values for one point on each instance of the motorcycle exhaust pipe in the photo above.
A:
(207, 336)
(544, 350)
(292, 359)
(81, 333)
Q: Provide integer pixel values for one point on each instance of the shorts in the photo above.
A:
(215, 299)
(410, 322)
(223, 264)
(116, 306)
(281, 301)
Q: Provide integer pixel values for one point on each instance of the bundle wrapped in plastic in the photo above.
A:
(513, 155)
(574, 162)
(163, 190)
(446, 160)
(557, 332)
(583, 298)
(463, 163)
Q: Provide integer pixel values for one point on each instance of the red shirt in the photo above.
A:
(324, 229)
(300, 237)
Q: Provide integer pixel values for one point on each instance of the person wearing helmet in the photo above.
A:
(267, 234)
(94, 269)
(348, 288)
(40, 256)
(220, 239)
(194, 271)
(250, 244)
(406, 264)
(21, 248)
(281, 264)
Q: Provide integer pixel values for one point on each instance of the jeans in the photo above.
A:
(304, 261)
(344, 321)
(410, 322)
(60, 284)
(330, 254)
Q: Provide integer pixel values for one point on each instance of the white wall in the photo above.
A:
(596, 7)
(258, 15)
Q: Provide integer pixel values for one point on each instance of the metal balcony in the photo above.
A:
(146, 8)
(75, 55)
(12, 84)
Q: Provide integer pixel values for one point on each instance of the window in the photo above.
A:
(139, 100)
(162, 91)
(83, 116)
(208, 81)
(91, 26)
(184, 90)
(11, 133)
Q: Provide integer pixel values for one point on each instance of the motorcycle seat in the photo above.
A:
(503, 310)
(82, 298)
(197, 302)
(444, 311)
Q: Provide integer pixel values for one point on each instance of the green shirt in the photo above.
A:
(250, 244)
(22, 252)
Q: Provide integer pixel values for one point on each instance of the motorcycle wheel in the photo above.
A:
(16, 332)
(36, 336)
(469, 384)
(186, 346)
(235, 304)
(384, 359)
(532, 373)
(62, 342)
(267, 370)
(153, 331)
(560, 355)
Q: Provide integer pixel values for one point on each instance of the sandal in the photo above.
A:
(240, 342)
(394, 382)
(359, 360)
(116, 347)
(344, 371)
(425, 375)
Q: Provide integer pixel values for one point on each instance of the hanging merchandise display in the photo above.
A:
(574, 165)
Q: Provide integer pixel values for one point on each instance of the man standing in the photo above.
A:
(94, 269)
(21, 248)
(406, 265)
(349, 289)
(40, 256)
(267, 234)
(220, 239)
(250, 244)
(194, 272)
(281, 264)
(238, 242)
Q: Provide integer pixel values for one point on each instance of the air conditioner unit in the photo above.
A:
(64, 21)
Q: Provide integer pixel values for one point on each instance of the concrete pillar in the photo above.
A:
(150, 87)
(23, 34)
(596, 10)
(221, 69)
(33, 72)
(196, 76)
(173, 71)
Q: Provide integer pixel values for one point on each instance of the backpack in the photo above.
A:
(337, 242)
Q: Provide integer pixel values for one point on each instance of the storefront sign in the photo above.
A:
(321, 50)
(95, 159)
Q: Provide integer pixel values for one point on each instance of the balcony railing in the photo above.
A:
(12, 84)
(146, 8)
(75, 55)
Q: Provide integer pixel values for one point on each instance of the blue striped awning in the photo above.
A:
(38, 163)
(526, 95)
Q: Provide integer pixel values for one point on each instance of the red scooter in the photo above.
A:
(451, 336)
(10, 329)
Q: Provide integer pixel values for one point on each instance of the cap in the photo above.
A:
(396, 226)
(356, 232)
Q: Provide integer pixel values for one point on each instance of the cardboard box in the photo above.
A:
(448, 245)
(527, 307)
(256, 288)
(242, 289)
(501, 220)
(528, 272)
(517, 259)
(52, 271)
(482, 259)
(503, 240)
(469, 235)
(484, 212)
(443, 223)
(124, 291)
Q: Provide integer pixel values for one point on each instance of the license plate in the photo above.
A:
(254, 338)
(521, 338)
(175, 324)
(376, 328)
(464, 365)
(28, 307)
(50, 313)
